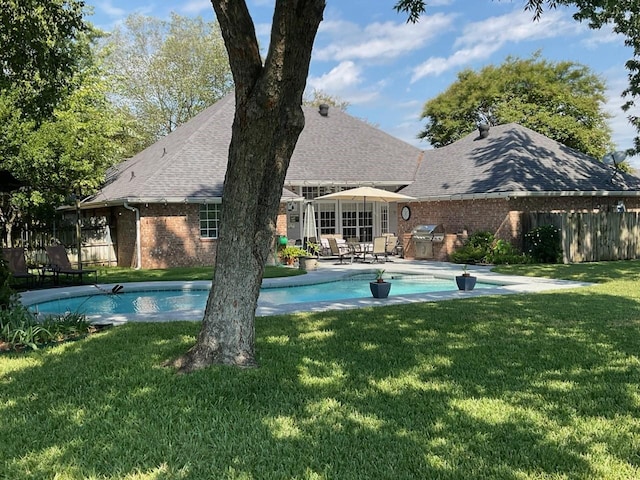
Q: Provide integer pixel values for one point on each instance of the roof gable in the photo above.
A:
(513, 160)
(190, 162)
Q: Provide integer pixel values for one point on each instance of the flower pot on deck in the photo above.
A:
(308, 263)
(380, 289)
(465, 282)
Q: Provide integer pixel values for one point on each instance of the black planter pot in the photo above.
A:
(465, 282)
(380, 289)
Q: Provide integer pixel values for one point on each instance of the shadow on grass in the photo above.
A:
(524, 386)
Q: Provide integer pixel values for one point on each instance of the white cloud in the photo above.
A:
(379, 41)
(107, 7)
(603, 36)
(439, 65)
(479, 40)
(343, 76)
(344, 81)
(195, 7)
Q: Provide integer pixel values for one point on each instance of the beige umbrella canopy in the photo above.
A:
(367, 194)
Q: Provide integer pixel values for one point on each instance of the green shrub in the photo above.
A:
(482, 247)
(543, 244)
(481, 239)
(504, 253)
(475, 250)
(20, 329)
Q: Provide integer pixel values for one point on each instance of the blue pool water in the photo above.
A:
(155, 301)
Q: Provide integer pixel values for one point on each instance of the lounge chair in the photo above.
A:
(339, 252)
(379, 249)
(59, 263)
(17, 265)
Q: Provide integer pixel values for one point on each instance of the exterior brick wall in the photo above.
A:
(170, 237)
(170, 234)
(125, 221)
(500, 216)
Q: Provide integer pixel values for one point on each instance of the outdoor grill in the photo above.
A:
(423, 237)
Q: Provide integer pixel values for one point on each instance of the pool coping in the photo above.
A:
(327, 271)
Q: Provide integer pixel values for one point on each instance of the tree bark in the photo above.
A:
(268, 121)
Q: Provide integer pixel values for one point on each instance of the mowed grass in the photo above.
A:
(543, 386)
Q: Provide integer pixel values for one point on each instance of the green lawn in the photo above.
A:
(543, 386)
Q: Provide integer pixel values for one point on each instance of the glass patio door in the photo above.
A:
(357, 221)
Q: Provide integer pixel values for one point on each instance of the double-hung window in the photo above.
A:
(209, 220)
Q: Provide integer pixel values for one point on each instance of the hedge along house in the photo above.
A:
(163, 205)
(491, 183)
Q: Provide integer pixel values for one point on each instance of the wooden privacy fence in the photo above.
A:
(592, 237)
(98, 243)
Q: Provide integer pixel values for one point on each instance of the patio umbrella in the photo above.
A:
(309, 227)
(367, 193)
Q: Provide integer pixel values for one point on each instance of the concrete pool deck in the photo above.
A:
(327, 271)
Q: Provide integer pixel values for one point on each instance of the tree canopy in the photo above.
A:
(562, 100)
(39, 50)
(62, 145)
(165, 72)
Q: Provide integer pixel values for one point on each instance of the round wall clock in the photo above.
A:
(406, 213)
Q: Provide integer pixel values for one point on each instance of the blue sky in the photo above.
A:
(366, 53)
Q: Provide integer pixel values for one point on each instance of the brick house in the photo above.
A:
(163, 205)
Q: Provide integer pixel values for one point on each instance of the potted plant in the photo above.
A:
(466, 281)
(290, 253)
(380, 288)
(309, 261)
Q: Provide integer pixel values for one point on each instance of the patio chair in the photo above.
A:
(17, 265)
(339, 252)
(379, 249)
(325, 248)
(59, 263)
(392, 244)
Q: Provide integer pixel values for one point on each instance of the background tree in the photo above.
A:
(319, 97)
(562, 100)
(624, 17)
(66, 151)
(164, 73)
(39, 51)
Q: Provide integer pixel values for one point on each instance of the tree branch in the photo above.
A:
(240, 40)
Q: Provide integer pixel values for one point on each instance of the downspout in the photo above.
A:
(138, 247)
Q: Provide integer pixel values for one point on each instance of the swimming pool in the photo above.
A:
(194, 299)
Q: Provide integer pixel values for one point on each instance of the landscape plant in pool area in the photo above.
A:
(21, 330)
(527, 386)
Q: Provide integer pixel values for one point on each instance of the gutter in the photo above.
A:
(138, 246)
(509, 195)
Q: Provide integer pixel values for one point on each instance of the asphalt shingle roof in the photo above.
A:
(190, 162)
(513, 159)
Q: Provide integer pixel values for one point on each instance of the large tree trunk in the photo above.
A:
(268, 121)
